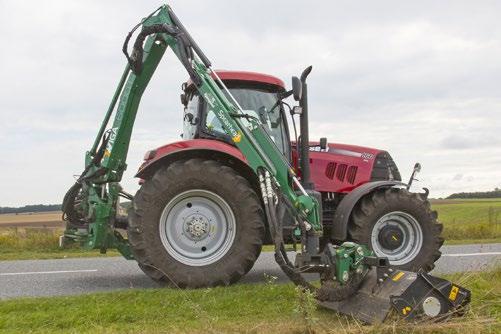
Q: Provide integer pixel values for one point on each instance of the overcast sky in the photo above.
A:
(420, 79)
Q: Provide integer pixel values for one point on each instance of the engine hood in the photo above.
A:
(341, 167)
(345, 150)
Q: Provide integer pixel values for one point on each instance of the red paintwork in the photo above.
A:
(319, 161)
(247, 76)
(204, 144)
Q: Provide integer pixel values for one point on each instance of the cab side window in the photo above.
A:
(191, 116)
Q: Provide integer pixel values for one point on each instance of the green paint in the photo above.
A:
(349, 259)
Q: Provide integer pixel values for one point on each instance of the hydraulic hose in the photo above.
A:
(276, 232)
(135, 59)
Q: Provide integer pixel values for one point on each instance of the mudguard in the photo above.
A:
(345, 207)
(186, 149)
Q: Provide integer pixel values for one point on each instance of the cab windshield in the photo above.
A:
(263, 106)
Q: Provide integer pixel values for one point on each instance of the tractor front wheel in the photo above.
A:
(196, 223)
(398, 225)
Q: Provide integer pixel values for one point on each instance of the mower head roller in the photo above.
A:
(408, 295)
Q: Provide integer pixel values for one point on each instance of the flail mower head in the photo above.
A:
(408, 295)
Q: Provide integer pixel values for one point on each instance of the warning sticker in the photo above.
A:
(237, 138)
(398, 276)
(454, 293)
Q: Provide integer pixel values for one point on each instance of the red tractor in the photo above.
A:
(363, 198)
(207, 204)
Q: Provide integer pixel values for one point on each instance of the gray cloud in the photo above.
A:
(464, 142)
(418, 79)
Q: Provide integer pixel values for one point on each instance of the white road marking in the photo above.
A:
(472, 254)
(49, 272)
(95, 270)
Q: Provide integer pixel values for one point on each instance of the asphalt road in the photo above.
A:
(29, 278)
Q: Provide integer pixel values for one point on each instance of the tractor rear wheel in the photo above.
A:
(196, 223)
(398, 225)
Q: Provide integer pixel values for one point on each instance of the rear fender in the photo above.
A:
(188, 149)
(345, 207)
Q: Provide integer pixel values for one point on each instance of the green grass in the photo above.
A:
(470, 219)
(253, 308)
(31, 243)
(452, 242)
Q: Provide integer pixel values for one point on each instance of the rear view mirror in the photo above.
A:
(297, 88)
(417, 169)
(184, 99)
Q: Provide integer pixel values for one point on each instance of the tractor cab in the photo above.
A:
(258, 95)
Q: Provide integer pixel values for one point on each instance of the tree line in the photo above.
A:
(496, 193)
(31, 208)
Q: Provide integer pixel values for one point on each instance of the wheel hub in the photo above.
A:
(391, 237)
(197, 227)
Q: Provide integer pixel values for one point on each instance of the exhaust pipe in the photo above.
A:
(304, 149)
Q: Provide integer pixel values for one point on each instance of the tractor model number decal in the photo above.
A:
(367, 156)
(318, 149)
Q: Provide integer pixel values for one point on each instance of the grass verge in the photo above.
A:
(472, 241)
(34, 243)
(253, 308)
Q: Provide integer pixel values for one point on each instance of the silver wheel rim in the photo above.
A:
(197, 227)
(412, 237)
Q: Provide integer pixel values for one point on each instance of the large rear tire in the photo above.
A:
(398, 225)
(196, 223)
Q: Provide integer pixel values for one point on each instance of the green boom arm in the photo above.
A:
(106, 163)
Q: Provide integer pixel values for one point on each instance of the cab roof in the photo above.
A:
(226, 75)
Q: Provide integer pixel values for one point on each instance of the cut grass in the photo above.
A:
(253, 308)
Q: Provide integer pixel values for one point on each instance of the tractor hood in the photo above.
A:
(340, 167)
